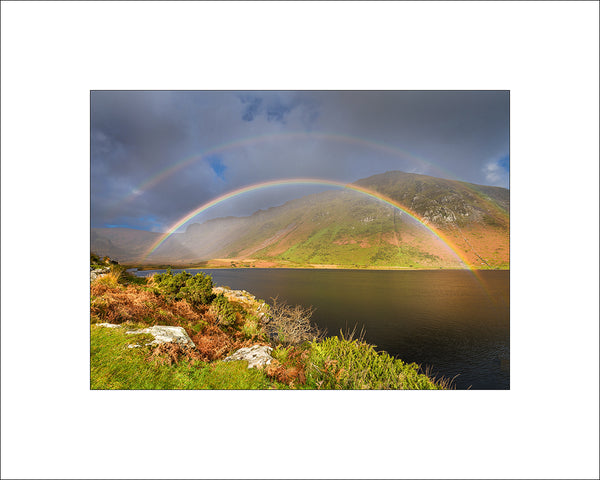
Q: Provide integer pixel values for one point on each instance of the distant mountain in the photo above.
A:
(343, 227)
(121, 244)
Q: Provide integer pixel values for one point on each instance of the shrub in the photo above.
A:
(224, 311)
(251, 329)
(95, 261)
(197, 289)
(291, 325)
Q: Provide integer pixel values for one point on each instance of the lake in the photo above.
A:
(454, 322)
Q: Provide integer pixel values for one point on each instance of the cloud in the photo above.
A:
(277, 112)
(497, 171)
(504, 163)
(280, 107)
(253, 107)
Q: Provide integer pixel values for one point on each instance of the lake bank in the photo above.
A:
(452, 321)
(216, 328)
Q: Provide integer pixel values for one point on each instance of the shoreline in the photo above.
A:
(312, 267)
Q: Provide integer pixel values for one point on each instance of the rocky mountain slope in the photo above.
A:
(343, 227)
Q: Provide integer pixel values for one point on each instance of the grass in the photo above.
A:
(333, 363)
(115, 366)
(339, 363)
(321, 249)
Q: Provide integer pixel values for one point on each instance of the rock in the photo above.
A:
(256, 356)
(164, 334)
(246, 299)
(109, 325)
(133, 346)
(94, 274)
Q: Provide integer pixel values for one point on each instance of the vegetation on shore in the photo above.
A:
(219, 325)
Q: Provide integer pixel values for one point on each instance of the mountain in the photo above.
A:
(343, 227)
(121, 244)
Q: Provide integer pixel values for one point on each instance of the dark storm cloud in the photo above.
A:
(276, 107)
(235, 139)
(253, 107)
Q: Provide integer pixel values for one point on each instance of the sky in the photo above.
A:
(157, 155)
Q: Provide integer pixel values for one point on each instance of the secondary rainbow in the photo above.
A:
(310, 181)
(249, 141)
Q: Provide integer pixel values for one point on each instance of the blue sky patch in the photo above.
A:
(217, 165)
(504, 162)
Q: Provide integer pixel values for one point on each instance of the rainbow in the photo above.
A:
(310, 181)
(250, 141)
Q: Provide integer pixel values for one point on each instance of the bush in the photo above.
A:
(196, 289)
(225, 312)
(291, 325)
(252, 329)
(95, 261)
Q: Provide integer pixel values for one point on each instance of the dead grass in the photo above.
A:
(290, 368)
(288, 375)
(214, 344)
(173, 353)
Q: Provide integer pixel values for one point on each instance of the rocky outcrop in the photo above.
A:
(108, 325)
(256, 356)
(98, 272)
(165, 334)
(249, 301)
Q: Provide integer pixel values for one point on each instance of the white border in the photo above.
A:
(546, 53)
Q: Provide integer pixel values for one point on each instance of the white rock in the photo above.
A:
(164, 334)
(99, 272)
(109, 325)
(256, 356)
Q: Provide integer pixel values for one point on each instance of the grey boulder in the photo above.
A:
(256, 356)
(165, 334)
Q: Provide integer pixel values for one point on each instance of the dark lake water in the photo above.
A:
(454, 322)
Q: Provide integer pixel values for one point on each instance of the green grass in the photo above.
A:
(251, 329)
(336, 363)
(115, 366)
(333, 363)
(377, 255)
